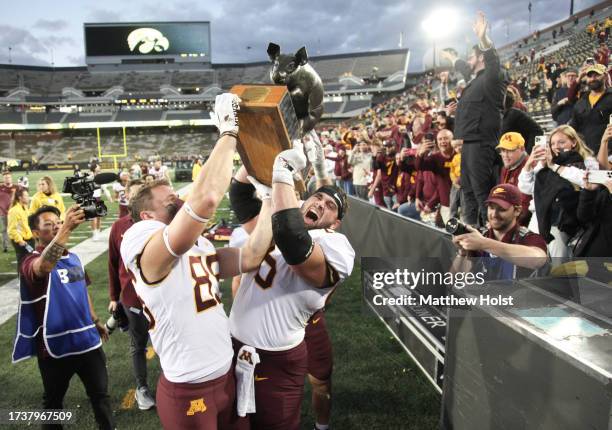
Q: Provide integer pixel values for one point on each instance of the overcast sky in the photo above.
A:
(42, 31)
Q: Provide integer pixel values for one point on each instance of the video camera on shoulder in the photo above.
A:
(81, 187)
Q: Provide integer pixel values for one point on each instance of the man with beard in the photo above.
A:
(505, 245)
(175, 273)
(478, 122)
(275, 302)
(592, 112)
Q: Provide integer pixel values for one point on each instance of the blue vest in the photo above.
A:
(67, 328)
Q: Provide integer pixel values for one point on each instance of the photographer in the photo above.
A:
(121, 288)
(57, 322)
(505, 238)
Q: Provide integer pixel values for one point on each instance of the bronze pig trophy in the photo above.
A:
(302, 81)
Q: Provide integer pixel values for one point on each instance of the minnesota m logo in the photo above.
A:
(246, 356)
(196, 405)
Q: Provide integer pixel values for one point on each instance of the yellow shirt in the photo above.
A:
(195, 171)
(455, 167)
(41, 199)
(594, 98)
(18, 228)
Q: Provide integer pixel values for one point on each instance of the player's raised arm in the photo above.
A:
(314, 151)
(206, 194)
(234, 261)
(289, 228)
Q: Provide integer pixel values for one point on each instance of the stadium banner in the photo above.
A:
(181, 41)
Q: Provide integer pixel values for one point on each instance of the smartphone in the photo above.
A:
(600, 176)
(429, 136)
(540, 141)
(610, 119)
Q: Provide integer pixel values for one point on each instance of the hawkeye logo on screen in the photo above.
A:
(147, 40)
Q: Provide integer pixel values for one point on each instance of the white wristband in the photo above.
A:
(167, 243)
(192, 213)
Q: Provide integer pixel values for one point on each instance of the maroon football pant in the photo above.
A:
(207, 405)
(279, 388)
(320, 356)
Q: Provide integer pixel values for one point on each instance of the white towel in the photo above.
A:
(245, 380)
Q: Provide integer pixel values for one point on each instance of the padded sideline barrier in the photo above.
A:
(383, 234)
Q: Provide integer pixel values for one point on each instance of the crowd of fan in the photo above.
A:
(402, 154)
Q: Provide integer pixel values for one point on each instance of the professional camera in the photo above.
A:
(455, 227)
(82, 186)
(117, 319)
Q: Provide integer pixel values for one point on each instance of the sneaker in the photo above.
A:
(144, 398)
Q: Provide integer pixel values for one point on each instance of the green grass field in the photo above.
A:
(375, 384)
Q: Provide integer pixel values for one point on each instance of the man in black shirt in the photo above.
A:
(478, 122)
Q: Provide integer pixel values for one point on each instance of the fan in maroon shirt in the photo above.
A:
(438, 163)
(386, 172)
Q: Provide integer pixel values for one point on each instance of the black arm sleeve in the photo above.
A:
(291, 236)
(243, 201)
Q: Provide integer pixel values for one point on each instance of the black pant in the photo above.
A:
(91, 367)
(139, 333)
(21, 251)
(479, 172)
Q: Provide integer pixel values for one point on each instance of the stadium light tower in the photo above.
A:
(439, 24)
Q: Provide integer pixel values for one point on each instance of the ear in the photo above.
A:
(145, 215)
(301, 56)
(273, 51)
(336, 225)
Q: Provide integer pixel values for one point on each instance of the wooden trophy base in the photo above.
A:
(267, 125)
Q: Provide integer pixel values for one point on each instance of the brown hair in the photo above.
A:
(142, 199)
(50, 184)
(18, 193)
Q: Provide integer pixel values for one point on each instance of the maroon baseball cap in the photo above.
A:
(505, 195)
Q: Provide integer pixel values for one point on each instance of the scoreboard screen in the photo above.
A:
(185, 40)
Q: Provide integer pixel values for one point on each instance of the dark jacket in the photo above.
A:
(556, 199)
(592, 122)
(479, 111)
(595, 213)
(561, 113)
(518, 121)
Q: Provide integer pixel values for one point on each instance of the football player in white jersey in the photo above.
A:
(176, 274)
(274, 303)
